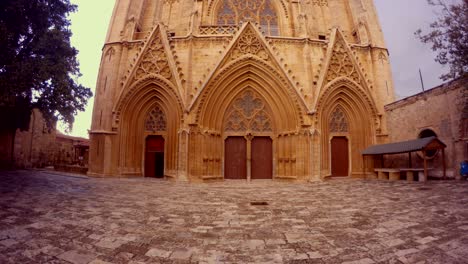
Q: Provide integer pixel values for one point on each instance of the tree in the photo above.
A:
(449, 37)
(38, 66)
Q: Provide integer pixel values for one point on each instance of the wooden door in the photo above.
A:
(154, 157)
(262, 158)
(339, 157)
(235, 158)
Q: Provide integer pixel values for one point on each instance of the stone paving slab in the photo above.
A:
(46, 218)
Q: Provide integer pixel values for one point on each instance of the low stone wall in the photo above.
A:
(71, 168)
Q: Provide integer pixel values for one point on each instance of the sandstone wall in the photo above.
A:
(443, 110)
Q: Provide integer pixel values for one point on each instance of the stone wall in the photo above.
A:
(34, 147)
(68, 150)
(442, 110)
(40, 146)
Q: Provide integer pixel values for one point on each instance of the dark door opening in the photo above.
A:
(339, 157)
(235, 158)
(262, 158)
(154, 157)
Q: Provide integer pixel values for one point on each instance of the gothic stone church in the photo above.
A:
(198, 90)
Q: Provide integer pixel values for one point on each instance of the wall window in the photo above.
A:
(338, 121)
(235, 12)
(156, 121)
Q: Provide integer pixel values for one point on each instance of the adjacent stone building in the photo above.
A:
(442, 112)
(229, 89)
(34, 148)
(71, 150)
(40, 146)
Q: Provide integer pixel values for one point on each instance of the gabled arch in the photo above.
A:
(340, 64)
(153, 61)
(253, 73)
(347, 86)
(136, 89)
(130, 116)
(251, 48)
(361, 113)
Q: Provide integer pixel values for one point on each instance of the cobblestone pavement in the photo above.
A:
(47, 218)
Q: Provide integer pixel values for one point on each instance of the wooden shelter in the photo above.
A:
(423, 144)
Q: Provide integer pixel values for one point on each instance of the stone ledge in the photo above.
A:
(71, 168)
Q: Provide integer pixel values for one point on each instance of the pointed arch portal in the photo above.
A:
(248, 147)
(148, 122)
(346, 115)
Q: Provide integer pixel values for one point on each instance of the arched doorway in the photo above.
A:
(248, 146)
(348, 120)
(154, 157)
(339, 157)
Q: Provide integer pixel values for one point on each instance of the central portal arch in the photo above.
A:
(248, 98)
(248, 146)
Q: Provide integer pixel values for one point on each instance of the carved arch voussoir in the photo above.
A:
(346, 82)
(138, 86)
(254, 61)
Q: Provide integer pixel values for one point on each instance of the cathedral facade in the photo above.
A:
(198, 90)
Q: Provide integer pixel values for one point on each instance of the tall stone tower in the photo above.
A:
(200, 90)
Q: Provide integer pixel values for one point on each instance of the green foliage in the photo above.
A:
(38, 66)
(449, 37)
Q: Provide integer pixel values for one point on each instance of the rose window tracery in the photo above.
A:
(156, 121)
(235, 12)
(249, 43)
(338, 121)
(248, 113)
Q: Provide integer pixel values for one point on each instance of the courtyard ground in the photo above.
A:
(52, 218)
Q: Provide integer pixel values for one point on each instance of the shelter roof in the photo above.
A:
(405, 146)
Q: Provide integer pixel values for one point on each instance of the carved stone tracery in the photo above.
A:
(320, 2)
(154, 61)
(249, 43)
(338, 121)
(248, 113)
(341, 64)
(156, 121)
(234, 12)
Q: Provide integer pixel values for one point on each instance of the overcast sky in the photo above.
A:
(399, 20)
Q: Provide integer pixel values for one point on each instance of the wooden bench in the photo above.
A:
(391, 174)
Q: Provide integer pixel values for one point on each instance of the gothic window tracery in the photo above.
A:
(156, 121)
(248, 113)
(338, 121)
(234, 12)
